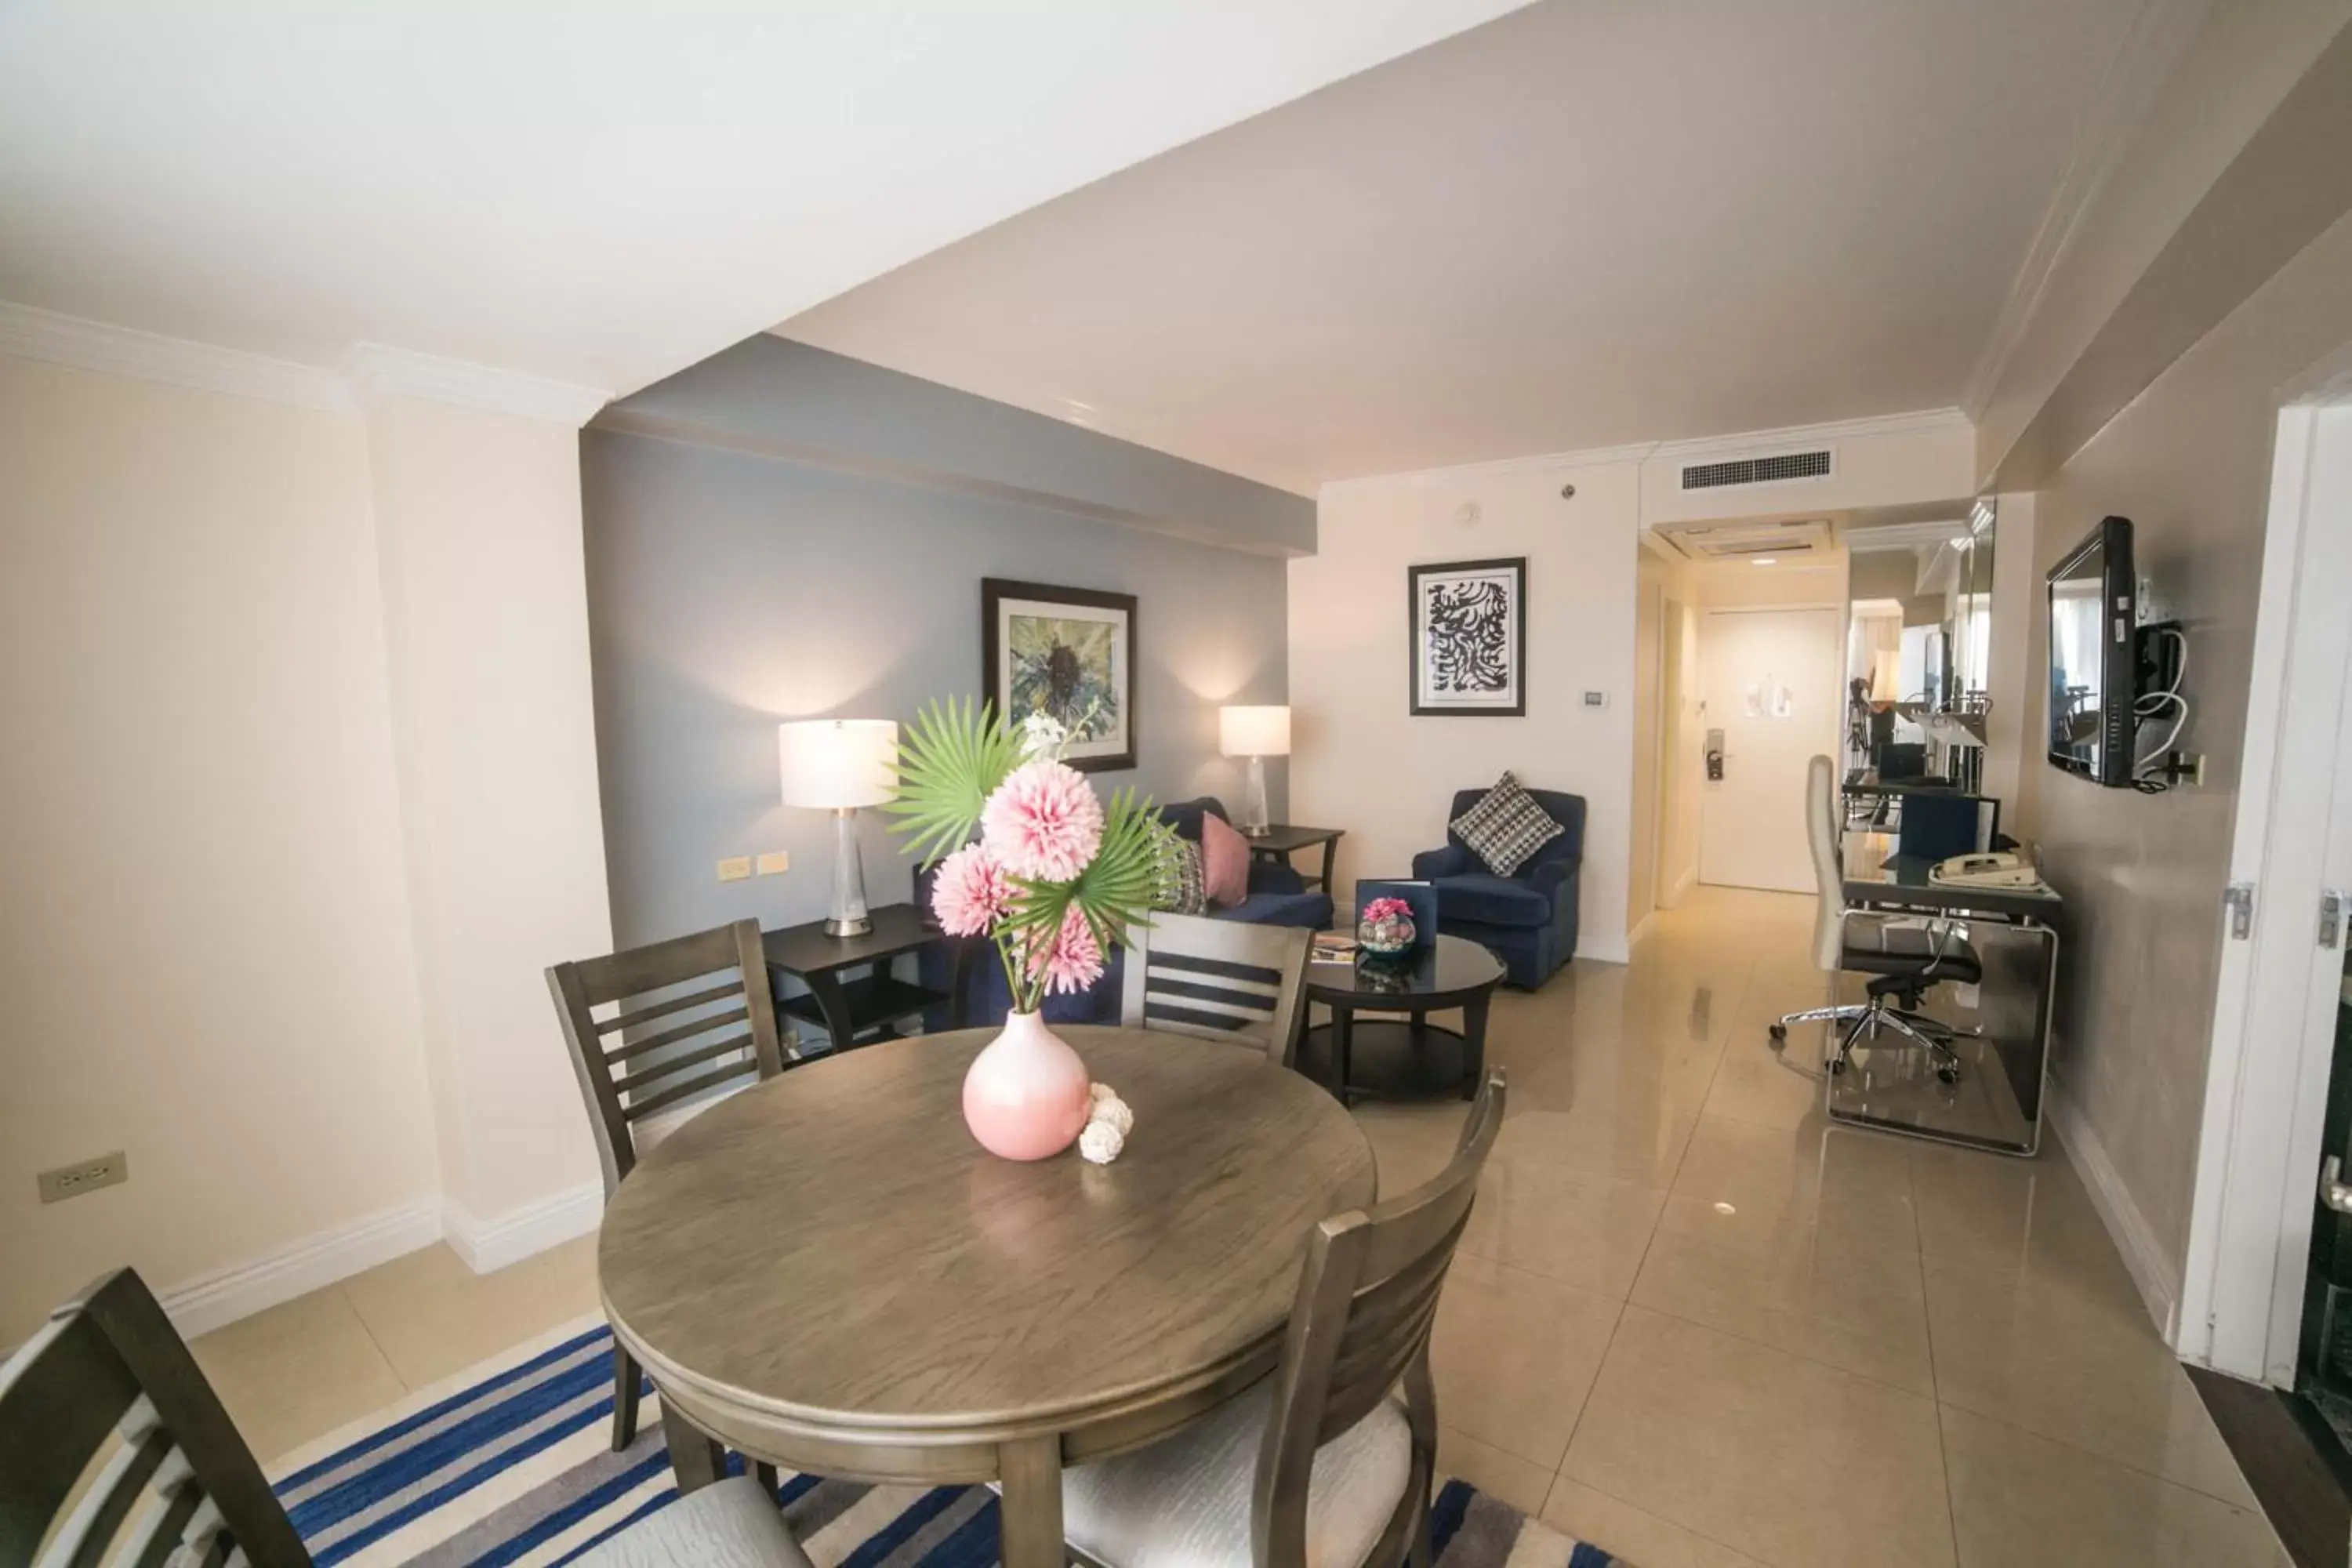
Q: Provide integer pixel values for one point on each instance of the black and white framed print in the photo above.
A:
(1470, 638)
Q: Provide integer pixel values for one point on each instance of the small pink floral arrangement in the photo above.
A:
(1385, 927)
(1055, 878)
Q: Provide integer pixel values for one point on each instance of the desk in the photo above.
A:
(1998, 1102)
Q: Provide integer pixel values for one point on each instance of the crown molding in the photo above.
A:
(1588, 458)
(28, 332)
(2151, 51)
(1926, 421)
(377, 372)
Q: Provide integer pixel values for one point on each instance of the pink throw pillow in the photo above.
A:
(1224, 861)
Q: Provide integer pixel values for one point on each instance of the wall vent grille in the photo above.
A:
(1774, 469)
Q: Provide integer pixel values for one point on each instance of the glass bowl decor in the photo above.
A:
(1385, 929)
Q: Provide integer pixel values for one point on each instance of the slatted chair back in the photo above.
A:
(1225, 980)
(1367, 1297)
(679, 1018)
(114, 1448)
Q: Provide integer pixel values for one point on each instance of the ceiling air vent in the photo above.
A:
(1775, 469)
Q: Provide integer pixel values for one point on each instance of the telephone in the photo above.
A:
(1999, 869)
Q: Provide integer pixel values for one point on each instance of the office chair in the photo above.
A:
(1904, 959)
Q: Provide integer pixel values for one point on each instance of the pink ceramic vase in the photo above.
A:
(1026, 1096)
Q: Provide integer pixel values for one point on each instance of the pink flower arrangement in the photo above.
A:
(973, 892)
(1043, 824)
(1073, 961)
(1383, 910)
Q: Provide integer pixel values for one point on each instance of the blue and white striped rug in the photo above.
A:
(510, 1463)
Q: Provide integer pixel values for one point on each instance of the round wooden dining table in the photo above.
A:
(824, 1272)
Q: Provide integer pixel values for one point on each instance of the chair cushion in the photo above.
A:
(1185, 1502)
(1506, 827)
(1875, 948)
(734, 1525)
(1224, 861)
(1495, 901)
(1309, 910)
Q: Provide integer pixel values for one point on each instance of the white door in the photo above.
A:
(1771, 684)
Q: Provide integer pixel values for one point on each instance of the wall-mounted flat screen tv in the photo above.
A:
(2093, 674)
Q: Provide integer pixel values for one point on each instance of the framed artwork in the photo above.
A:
(1469, 624)
(1068, 653)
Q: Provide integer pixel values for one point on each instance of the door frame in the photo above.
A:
(1706, 678)
(2266, 1076)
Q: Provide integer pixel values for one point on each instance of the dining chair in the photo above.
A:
(106, 1393)
(1322, 1464)
(1225, 980)
(692, 986)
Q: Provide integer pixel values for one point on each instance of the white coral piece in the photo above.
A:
(1101, 1143)
(1100, 1091)
(1116, 1112)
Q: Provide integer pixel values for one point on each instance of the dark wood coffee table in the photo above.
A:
(1410, 1059)
(825, 1272)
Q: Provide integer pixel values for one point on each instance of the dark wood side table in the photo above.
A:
(856, 1009)
(1281, 840)
(1412, 1058)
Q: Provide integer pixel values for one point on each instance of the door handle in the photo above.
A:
(2332, 1190)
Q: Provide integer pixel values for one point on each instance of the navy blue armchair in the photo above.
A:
(1528, 919)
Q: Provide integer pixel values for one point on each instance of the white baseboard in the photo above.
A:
(2156, 1275)
(222, 1297)
(487, 1246)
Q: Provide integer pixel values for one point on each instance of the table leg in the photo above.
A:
(1474, 1044)
(833, 1003)
(696, 1458)
(1030, 1516)
(1343, 1040)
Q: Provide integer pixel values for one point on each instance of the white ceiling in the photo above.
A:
(601, 191)
(1589, 223)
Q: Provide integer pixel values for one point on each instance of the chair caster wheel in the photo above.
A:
(1779, 1034)
(1948, 1075)
(1837, 1067)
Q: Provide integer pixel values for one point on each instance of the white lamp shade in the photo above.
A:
(1885, 681)
(1253, 731)
(831, 764)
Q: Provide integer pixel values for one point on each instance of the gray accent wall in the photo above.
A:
(729, 590)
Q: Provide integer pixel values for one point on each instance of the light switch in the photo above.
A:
(735, 868)
(774, 863)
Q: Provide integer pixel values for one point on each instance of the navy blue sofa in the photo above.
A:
(1279, 896)
(1528, 919)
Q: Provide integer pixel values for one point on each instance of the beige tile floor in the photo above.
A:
(1690, 1321)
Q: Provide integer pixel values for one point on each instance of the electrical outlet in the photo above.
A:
(72, 1181)
(1596, 700)
(735, 868)
(775, 863)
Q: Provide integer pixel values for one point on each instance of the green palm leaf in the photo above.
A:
(950, 760)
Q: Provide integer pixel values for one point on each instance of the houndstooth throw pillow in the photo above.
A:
(1183, 888)
(1505, 826)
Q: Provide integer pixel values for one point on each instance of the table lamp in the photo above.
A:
(838, 765)
(1256, 733)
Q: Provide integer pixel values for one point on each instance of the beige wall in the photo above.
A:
(485, 606)
(1362, 761)
(1649, 672)
(206, 956)
(2189, 462)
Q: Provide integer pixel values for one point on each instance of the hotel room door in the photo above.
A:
(1770, 678)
